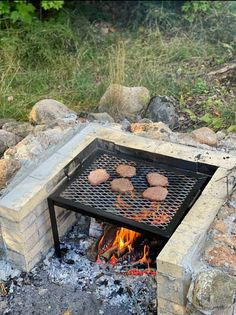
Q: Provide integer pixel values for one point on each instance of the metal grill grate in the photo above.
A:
(131, 206)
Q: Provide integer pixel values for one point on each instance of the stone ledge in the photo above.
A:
(181, 151)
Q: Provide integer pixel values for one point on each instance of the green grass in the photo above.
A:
(75, 66)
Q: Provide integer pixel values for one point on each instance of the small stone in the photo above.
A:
(223, 257)
(220, 226)
(163, 108)
(144, 127)
(124, 102)
(213, 289)
(126, 125)
(101, 117)
(8, 169)
(7, 140)
(48, 110)
(220, 135)
(155, 130)
(10, 98)
(205, 135)
(21, 129)
(229, 240)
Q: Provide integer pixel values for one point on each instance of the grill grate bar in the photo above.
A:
(130, 206)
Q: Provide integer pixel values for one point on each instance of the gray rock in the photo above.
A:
(100, 117)
(34, 145)
(8, 169)
(213, 289)
(3, 121)
(124, 102)
(7, 139)
(21, 129)
(220, 135)
(48, 110)
(229, 142)
(125, 125)
(163, 108)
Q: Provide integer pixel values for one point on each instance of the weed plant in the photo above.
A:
(73, 61)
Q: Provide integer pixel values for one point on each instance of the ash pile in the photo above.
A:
(76, 284)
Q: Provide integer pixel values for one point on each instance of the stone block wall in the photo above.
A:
(24, 215)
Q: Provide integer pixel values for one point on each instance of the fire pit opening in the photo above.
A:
(137, 228)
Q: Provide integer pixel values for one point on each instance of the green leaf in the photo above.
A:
(4, 7)
(217, 123)
(191, 114)
(47, 5)
(232, 128)
(207, 118)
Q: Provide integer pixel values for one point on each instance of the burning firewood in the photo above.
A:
(107, 254)
(107, 238)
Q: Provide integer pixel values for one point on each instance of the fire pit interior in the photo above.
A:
(150, 223)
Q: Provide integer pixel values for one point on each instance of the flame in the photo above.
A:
(144, 259)
(125, 238)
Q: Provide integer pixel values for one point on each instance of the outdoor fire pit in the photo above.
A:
(186, 181)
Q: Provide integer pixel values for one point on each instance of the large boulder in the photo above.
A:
(124, 102)
(212, 289)
(48, 110)
(7, 139)
(8, 169)
(205, 135)
(21, 129)
(163, 108)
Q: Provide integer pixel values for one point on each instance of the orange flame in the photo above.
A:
(125, 238)
(144, 259)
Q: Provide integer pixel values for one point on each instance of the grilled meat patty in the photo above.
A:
(124, 170)
(98, 176)
(156, 179)
(156, 193)
(121, 185)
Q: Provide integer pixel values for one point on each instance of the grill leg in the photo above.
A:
(54, 228)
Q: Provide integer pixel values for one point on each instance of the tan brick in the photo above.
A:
(217, 187)
(203, 212)
(173, 289)
(177, 254)
(16, 259)
(184, 152)
(170, 307)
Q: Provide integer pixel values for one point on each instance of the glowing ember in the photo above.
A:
(138, 272)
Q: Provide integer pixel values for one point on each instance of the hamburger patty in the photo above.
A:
(126, 170)
(156, 179)
(98, 176)
(156, 193)
(121, 185)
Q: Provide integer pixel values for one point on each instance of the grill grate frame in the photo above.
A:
(186, 181)
(102, 198)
